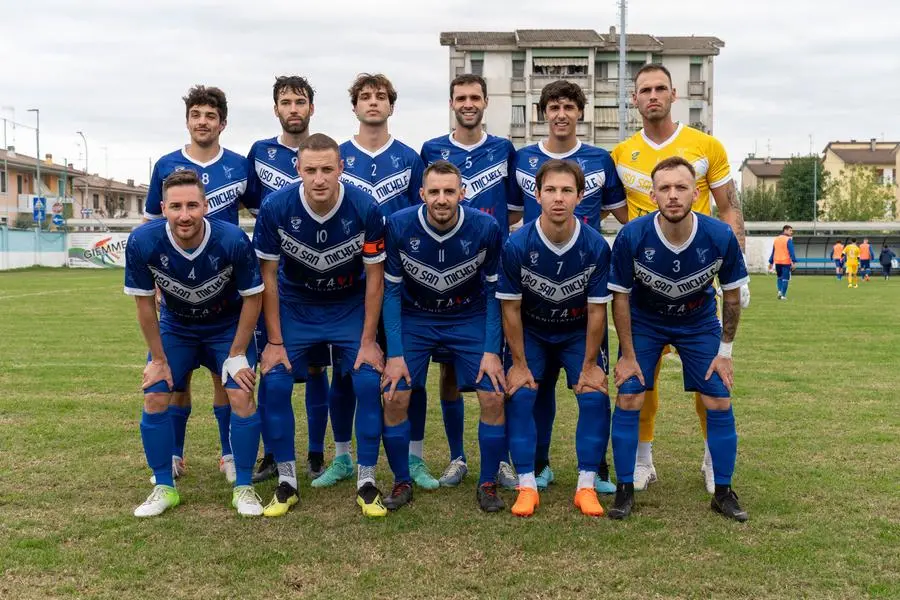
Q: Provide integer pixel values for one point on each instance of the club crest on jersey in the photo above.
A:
(214, 261)
(346, 223)
(395, 161)
(350, 160)
(532, 162)
(445, 154)
(466, 246)
(491, 154)
(414, 244)
(649, 253)
(164, 261)
(228, 171)
(582, 254)
(295, 223)
(701, 255)
(581, 163)
(534, 256)
(272, 153)
(634, 155)
(180, 168)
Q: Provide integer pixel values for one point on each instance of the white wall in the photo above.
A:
(21, 260)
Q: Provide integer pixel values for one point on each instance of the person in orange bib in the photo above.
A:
(837, 255)
(865, 259)
(783, 260)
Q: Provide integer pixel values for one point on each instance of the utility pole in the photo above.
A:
(623, 109)
(815, 183)
(87, 174)
(37, 133)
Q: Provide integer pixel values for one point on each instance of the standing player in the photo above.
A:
(487, 165)
(562, 104)
(554, 295)
(783, 260)
(441, 276)
(837, 255)
(321, 246)
(391, 172)
(865, 259)
(662, 273)
(635, 158)
(851, 263)
(224, 176)
(886, 259)
(273, 165)
(211, 295)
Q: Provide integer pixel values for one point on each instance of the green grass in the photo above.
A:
(817, 410)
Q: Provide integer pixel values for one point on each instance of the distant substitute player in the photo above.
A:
(837, 255)
(865, 258)
(440, 283)
(661, 138)
(553, 292)
(783, 260)
(273, 165)
(562, 104)
(321, 246)
(662, 273)
(487, 164)
(851, 263)
(211, 295)
(224, 177)
(391, 172)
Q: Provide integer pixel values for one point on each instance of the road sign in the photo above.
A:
(58, 220)
(39, 209)
(86, 213)
(57, 208)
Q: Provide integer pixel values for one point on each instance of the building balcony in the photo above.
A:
(542, 129)
(699, 125)
(539, 81)
(610, 87)
(517, 85)
(517, 130)
(696, 89)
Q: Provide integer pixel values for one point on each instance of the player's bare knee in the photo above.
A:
(241, 402)
(156, 402)
(220, 397)
(630, 401)
(492, 407)
(396, 407)
(713, 403)
(182, 399)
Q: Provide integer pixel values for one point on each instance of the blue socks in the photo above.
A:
(454, 412)
(492, 443)
(341, 405)
(245, 441)
(721, 436)
(544, 416)
(521, 429)
(396, 447)
(317, 410)
(592, 430)
(223, 418)
(179, 418)
(367, 387)
(158, 438)
(279, 414)
(624, 442)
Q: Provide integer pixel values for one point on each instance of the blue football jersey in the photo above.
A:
(392, 174)
(602, 187)
(442, 273)
(201, 288)
(554, 284)
(224, 178)
(487, 168)
(675, 284)
(322, 258)
(272, 165)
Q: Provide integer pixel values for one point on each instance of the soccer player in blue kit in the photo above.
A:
(224, 177)
(487, 166)
(662, 273)
(273, 165)
(440, 282)
(211, 289)
(321, 247)
(553, 291)
(562, 104)
(391, 172)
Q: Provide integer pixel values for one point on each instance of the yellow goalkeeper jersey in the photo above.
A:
(636, 157)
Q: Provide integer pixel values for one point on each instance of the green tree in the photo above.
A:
(796, 186)
(763, 203)
(858, 195)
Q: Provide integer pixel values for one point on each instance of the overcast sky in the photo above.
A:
(117, 70)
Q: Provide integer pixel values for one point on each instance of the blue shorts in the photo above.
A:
(461, 339)
(697, 346)
(306, 330)
(186, 350)
(783, 271)
(319, 356)
(865, 264)
(545, 354)
(838, 263)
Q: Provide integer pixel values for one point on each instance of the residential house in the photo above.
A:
(18, 186)
(884, 157)
(765, 172)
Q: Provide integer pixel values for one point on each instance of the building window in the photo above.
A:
(460, 71)
(477, 67)
(601, 70)
(60, 187)
(695, 73)
(20, 183)
(696, 118)
(536, 114)
(2, 182)
(518, 115)
(518, 68)
(633, 68)
(96, 201)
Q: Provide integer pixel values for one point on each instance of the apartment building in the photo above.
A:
(518, 64)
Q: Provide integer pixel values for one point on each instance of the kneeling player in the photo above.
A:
(662, 272)
(553, 288)
(211, 292)
(441, 276)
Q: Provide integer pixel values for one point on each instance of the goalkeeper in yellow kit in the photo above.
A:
(660, 138)
(851, 263)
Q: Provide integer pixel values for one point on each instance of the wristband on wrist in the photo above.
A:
(725, 349)
(276, 343)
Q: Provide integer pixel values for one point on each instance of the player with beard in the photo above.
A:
(273, 165)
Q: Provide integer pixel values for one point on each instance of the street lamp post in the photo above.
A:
(87, 173)
(37, 134)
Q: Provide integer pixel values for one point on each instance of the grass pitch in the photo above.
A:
(816, 405)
